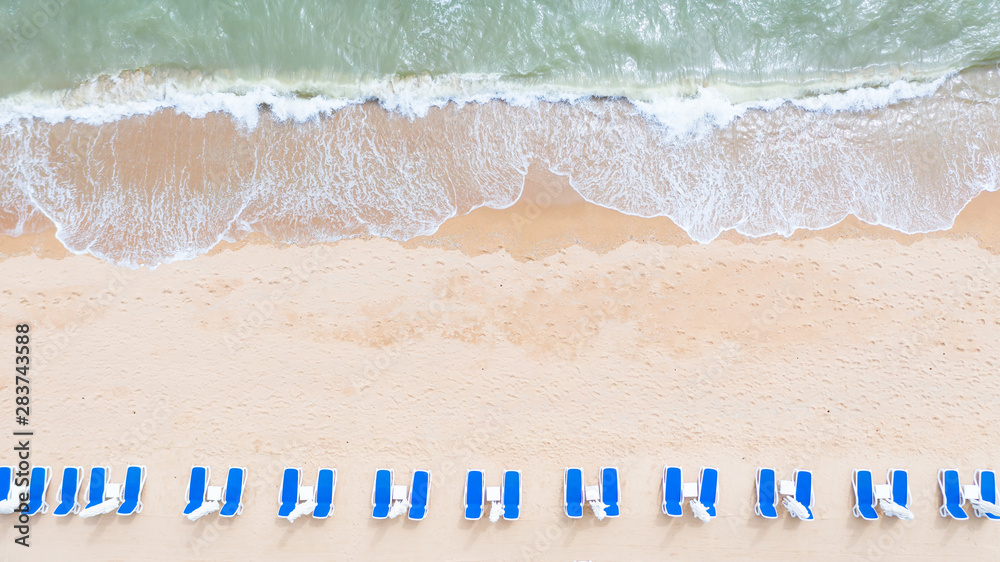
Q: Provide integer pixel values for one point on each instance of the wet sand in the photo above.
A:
(156, 188)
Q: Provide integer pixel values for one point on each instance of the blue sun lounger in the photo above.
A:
(420, 494)
(708, 489)
(511, 494)
(952, 495)
(6, 482)
(38, 484)
(573, 493)
(804, 490)
(97, 485)
(767, 494)
(475, 495)
(864, 495)
(197, 488)
(235, 481)
(987, 482)
(673, 491)
(288, 497)
(135, 478)
(326, 486)
(610, 491)
(69, 491)
(382, 493)
(899, 487)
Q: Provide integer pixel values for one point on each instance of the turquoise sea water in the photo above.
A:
(148, 131)
(584, 46)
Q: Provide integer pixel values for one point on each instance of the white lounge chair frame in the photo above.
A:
(45, 489)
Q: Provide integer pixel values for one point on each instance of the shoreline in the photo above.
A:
(518, 230)
(166, 186)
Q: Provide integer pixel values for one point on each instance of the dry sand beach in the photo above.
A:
(520, 339)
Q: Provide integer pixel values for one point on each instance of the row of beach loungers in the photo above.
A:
(102, 495)
(203, 499)
(390, 500)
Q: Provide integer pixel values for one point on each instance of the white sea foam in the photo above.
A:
(107, 99)
(710, 164)
(107, 107)
(870, 98)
